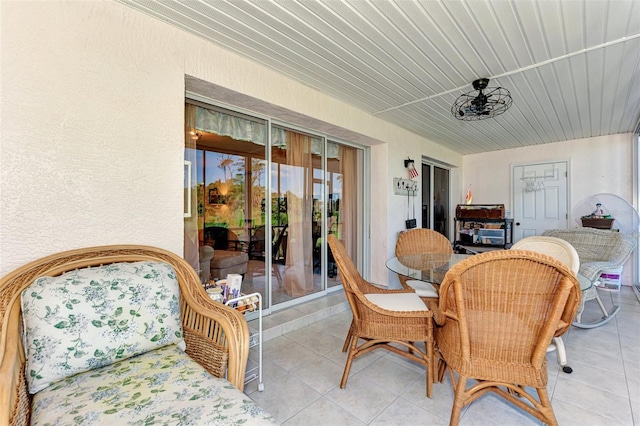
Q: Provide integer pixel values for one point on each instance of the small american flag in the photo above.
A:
(413, 172)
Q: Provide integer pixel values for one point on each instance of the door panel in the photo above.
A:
(539, 198)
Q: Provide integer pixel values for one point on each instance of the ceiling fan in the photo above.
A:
(479, 105)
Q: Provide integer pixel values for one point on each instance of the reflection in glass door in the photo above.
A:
(293, 155)
(435, 215)
(344, 207)
(226, 233)
(263, 202)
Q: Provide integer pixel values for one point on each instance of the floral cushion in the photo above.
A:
(164, 386)
(92, 317)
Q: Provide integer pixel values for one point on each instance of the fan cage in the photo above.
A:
(476, 105)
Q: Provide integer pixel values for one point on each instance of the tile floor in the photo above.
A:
(303, 364)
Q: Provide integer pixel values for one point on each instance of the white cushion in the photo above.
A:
(92, 317)
(397, 301)
(423, 289)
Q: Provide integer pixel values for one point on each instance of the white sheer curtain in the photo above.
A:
(348, 207)
(279, 139)
(298, 277)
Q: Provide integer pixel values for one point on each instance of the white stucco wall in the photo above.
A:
(91, 135)
(597, 165)
(600, 164)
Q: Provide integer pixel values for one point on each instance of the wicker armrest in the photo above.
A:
(217, 336)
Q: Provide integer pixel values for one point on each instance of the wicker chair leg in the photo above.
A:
(442, 369)
(353, 350)
(458, 400)
(546, 410)
(430, 369)
(348, 339)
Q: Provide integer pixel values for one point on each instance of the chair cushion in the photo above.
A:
(228, 258)
(163, 386)
(91, 317)
(423, 289)
(397, 301)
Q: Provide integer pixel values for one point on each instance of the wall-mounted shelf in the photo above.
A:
(405, 187)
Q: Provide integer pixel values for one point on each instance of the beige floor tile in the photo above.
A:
(292, 356)
(391, 375)
(592, 354)
(301, 332)
(439, 404)
(362, 398)
(492, 410)
(322, 375)
(635, 408)
(302, 370)
(340, 358)
(594, 399)
(285, 397)
(593, 374)
(320, 342)
(402, 412)
(570, 415)
(324, 413)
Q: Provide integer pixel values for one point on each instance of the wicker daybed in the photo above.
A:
(216, 338)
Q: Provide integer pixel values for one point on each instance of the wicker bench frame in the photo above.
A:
(216, 336)
(598, 250)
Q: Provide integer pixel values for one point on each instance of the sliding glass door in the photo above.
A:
(264, 197)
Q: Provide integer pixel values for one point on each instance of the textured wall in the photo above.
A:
(596, 165)
(91, 130)
(601, 164)
(91, 135)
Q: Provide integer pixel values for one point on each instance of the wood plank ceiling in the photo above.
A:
(572, 67)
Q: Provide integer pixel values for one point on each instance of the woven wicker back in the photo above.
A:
(595, 245)
(355, 287)
(349, 274)
(503, 308)
(420, 240)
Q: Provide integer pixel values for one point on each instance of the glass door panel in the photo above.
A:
(344, 207)
(439, 208)
(294, 156)
(228, 151)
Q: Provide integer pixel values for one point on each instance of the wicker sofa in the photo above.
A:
(170, 355)
(598, 250)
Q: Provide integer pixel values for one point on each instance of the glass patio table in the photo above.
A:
(432, 267)
(428, 267)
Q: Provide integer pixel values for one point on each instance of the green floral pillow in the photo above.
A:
(92, 317)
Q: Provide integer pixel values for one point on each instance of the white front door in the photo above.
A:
(539, 198)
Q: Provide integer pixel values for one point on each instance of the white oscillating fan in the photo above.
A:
(625, 217)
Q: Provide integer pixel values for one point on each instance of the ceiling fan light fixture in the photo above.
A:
(481, 103)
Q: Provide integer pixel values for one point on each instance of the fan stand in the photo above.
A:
(619, 208)
(592, 293)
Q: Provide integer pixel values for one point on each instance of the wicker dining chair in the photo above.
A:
(418, 241)
(497, 333)
(564, 252)
(391, 319)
